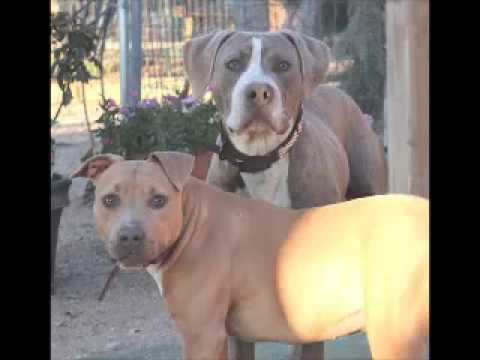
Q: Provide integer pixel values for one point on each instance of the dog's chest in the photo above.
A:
(157, 276)
(270, 185)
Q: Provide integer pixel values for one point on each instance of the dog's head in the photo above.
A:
(258, 80)
(138, 204)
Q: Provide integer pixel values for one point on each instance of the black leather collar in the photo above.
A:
(256, 163)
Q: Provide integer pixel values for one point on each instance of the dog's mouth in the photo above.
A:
(163, 258)
(132, 260)
(258, 128)
(128, 261)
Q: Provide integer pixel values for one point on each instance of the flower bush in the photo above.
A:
(176, 124)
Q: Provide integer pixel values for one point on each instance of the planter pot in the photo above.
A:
(58, 200)
(202, 163)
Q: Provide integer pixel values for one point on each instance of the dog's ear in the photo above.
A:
(177, 166)
(199, 56)
(93, 167)
(314, 59)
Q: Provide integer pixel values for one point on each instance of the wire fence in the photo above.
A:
(168, 24)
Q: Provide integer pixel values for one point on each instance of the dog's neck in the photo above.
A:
(197, 213)
(203, 208)
(206, 211)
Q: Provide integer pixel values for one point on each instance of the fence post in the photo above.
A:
(136, 58)
(123, 10)
(407, 29)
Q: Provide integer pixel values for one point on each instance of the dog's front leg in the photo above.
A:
(208, 344)
(242, 350)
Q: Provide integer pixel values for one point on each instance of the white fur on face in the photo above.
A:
(270, 185)
(253, 73)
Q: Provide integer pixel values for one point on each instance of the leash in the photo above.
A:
(255, 163)
(116, 268)
(112, 274)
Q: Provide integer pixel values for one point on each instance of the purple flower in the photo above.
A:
(111, 105)
(189, 100)
(124, 110)
(148, 104)
(190, 103)
(110, 102)
(173, 101)
(210, 87)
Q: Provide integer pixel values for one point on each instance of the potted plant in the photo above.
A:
(177, 124)
(190, 126)
(128, 131)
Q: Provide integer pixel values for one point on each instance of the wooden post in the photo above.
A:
(54, 7)
(407, 31)
(277, 14)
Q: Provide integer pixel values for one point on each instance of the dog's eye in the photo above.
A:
(233, 65)
(158, 201)
(111, 201)
(283, 66)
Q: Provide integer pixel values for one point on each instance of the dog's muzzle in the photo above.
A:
(258, 94)
(256, 163)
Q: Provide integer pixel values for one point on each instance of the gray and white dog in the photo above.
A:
(260, 81)
(311, 140)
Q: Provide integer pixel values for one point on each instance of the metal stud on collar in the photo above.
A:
(256, 163)
(284, 150)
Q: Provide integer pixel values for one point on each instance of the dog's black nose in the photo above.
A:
(131, 235)
(259, 94)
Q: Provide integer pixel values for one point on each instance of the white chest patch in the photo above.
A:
(156, 273)
(270, 185)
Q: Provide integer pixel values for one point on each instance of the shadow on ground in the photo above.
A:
(351, 347)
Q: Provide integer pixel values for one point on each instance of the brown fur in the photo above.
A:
(294, 276)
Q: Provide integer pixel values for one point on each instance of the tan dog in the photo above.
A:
(245, 268)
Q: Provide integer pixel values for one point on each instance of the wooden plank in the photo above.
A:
(407, 29)
(54, 8)
(278, 14)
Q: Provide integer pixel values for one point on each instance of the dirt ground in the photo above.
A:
(132, 314)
